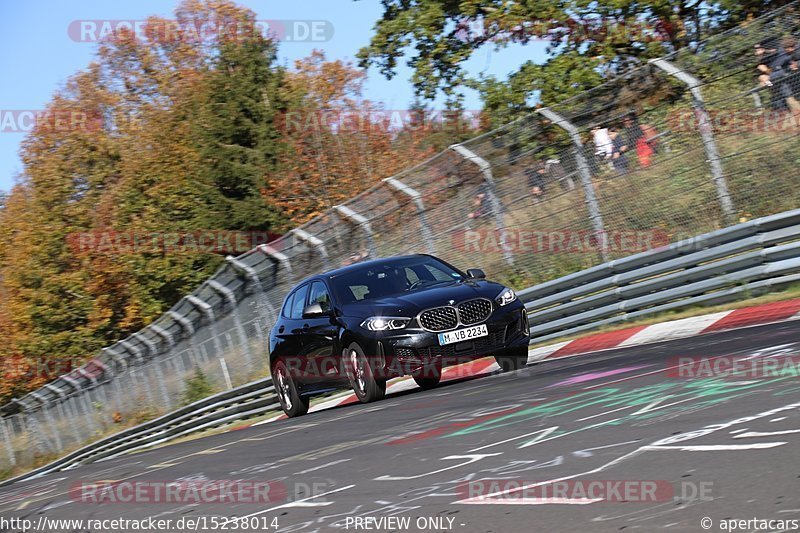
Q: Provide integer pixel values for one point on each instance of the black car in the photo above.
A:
(363, 324)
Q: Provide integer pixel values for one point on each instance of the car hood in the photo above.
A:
(411, 303)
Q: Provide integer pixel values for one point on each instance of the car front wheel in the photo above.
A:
(513, 359)
(362, 376)
(291, 402)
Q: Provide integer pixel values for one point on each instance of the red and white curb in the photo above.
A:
(635, 336)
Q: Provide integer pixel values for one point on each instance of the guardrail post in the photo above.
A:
(592, 204)
(228, 295)
(706, 133)
(360, 221)
(416, 197)
(494, 200)
(225, 374)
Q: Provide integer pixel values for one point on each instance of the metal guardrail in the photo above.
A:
(241, 403)
(713, 268)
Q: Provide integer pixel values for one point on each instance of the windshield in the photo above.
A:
(395, 276)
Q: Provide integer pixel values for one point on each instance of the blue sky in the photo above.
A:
(39, 55)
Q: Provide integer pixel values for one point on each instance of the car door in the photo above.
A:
(319, 334)
(291, 332)
(282, 340)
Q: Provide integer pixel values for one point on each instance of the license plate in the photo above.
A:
(465, 334)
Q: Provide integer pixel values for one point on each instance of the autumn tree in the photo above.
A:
(337, 143)
(178, 137)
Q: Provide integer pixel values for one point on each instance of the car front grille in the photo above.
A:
(439, 319)
(447, 317)
(474, 311)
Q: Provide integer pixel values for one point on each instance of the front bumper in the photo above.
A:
(416, 349)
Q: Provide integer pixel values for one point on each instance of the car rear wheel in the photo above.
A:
(428, 377)
(513, 359)
(362, 376)
(291, 402)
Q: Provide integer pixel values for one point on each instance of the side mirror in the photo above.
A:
(476, 273)
(315, 310)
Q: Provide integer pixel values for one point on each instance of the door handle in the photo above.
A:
(305, 327)
(280, 329)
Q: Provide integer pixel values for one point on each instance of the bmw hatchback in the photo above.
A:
(363, 324)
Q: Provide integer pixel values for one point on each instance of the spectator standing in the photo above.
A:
(536, 179)
(480, 203)
(556, 173)
(634, 134)
(619, 158)
(783, 74)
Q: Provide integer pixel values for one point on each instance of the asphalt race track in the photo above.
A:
(475, 455)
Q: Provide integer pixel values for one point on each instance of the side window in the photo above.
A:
(319, 295)
(299, 302)
(287, 306)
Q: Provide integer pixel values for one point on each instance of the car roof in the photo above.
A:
(356, 266)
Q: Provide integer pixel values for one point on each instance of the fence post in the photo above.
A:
(278, 257)
(360, 221)
(44, 409)
(12, 458)
(136, 373)
(416, 197)
(227, 294)
(314, 241)
(118, 359)
(61, 393)
(706, 133)
(207, 310)
(586, 177)
(260, 298)
(188, 333)
(497, 206)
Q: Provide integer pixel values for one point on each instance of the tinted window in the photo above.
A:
(437, 273)
(299, 302)
(319, 295)
(392, 277)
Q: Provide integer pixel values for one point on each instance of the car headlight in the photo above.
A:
(385, 323)
(505, 297)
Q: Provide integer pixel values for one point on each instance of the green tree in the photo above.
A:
(588, 41)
